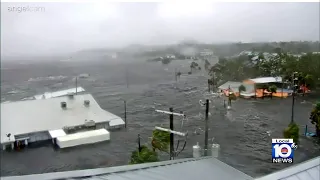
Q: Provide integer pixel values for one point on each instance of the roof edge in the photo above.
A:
(292, 170)
(97, 171)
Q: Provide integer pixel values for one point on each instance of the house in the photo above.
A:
(230, 86)
(252, 86)
(206, 52)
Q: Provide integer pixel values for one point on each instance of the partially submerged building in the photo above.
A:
(29, 121)
(253, 87)
(230, 86)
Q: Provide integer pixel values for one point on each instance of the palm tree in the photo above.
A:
(272, 89)
(315, 118)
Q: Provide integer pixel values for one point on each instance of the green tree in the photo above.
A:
(242, 88)
(144, 156)
(315, 118)
(160, 141)
(272, 89)
(292, 132)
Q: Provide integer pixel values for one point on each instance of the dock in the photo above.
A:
(29, 121)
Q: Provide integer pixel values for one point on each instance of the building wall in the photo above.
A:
(34, 137)
(107, 127)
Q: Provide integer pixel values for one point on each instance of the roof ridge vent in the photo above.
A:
(63, 105)
(86, 103)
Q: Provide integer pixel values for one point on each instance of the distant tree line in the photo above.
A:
(282, 64)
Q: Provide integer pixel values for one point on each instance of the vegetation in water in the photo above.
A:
(160, 141)
(315, 118)
(242, 88)
(272, 89)
(145, 155)
(292, 132)
(194, 65)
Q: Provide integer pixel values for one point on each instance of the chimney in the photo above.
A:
(86, 102)
(63, 105)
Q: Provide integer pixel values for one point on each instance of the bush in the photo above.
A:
(272, 89)
(292, 132)
(146, 155)
(242, 88)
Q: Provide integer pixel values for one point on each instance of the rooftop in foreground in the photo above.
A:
(30, 116)
(206, 168)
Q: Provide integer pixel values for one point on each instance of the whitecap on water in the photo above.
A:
(46, 78)
(14, 92)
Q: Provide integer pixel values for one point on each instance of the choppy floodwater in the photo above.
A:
(241, 132)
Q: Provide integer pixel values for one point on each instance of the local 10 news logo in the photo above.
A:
(283, 150)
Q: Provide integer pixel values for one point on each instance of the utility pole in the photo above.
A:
(139, 145)
(206, 128)
(171, 114)
(206, 125)
(294, 81)
(171, 135)
(125, 114)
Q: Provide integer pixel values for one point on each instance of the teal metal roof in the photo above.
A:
(186, 169)
(308, 170)
(206, 168)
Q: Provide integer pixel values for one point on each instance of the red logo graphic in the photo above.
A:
(284, 150)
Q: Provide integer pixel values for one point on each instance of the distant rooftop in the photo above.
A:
(234, 86)
(48, 95)
(266, 80)
(23, 117)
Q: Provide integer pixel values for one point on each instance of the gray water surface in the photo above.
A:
(241, 132)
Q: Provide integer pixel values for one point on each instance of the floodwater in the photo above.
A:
(244, 133)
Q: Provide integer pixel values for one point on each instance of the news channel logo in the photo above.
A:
(283, 150)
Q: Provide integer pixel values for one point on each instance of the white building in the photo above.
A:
(206, 52)
(32, 120)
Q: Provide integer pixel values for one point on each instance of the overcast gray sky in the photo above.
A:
(66, 27)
